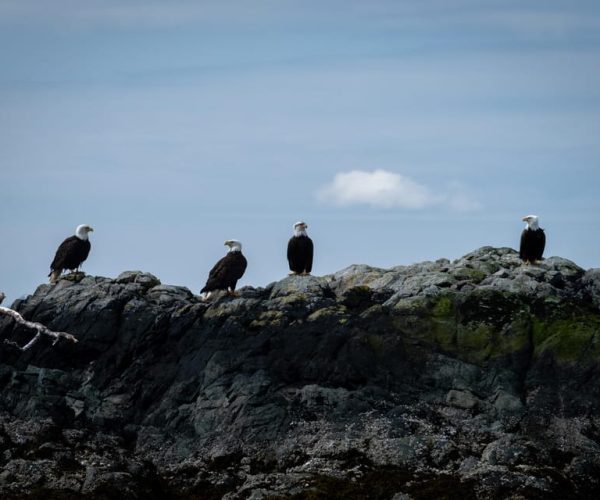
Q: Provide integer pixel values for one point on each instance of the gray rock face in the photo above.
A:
(475, 378)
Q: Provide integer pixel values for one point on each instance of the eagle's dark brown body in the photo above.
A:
(533, 242)
(225, 273)
(300, 254)
(70, 255)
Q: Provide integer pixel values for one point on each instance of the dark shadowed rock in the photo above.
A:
(475, 378)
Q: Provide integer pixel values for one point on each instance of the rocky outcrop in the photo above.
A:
(468, 379)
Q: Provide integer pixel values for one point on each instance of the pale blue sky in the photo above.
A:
(172, 126)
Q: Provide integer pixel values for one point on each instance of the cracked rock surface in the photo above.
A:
(476, 378)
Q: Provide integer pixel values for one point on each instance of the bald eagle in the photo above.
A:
(71, 253)
(533, 240)
(300, 250)
(225, 273)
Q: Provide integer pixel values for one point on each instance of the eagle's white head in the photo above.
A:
(532, 222)
(82, 231)
(300, 228)
(234, 245)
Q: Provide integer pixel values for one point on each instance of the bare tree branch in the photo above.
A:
(41, 329)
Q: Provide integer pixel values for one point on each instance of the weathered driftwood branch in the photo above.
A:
(41, 329)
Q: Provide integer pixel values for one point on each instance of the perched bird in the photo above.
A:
(533, 240)
(71, 253)
(225, 273)
(300, 250)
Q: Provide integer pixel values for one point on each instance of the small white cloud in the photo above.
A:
(379, 188)
(384, 189)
